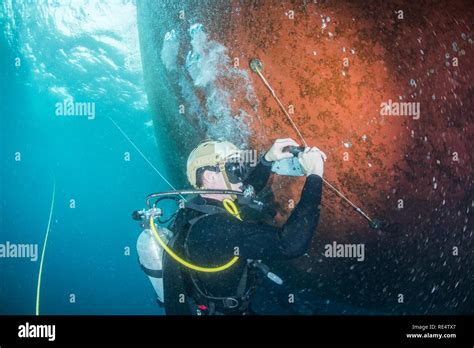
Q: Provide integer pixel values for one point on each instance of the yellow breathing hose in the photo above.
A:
(187, 264)
(230, 206)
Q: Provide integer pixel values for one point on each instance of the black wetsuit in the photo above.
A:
(212, 241)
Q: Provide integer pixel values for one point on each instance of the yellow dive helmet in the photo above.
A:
(221, 154)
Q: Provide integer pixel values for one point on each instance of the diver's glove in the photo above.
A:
(276, 151)
(312, 161)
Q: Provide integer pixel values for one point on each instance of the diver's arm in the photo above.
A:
(263, 241)
(296, 234)
(259, 176)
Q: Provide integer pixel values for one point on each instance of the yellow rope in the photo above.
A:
(38, 288)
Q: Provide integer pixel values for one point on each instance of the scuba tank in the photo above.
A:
(153, 240)
(150, 254)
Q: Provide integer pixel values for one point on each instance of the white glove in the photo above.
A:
(275, 153)
(312, 161)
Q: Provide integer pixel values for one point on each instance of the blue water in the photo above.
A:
(90, 52)
(77, 51)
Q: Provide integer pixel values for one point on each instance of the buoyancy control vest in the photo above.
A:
(203, 302)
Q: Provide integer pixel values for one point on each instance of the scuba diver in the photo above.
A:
(211, 228)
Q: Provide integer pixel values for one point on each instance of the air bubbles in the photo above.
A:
(323, 23)
(347, 144)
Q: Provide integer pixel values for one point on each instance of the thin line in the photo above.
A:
(141, 153)
(38, 288)
(280, 104)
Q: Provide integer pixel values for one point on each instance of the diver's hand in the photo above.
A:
(276, 151)
(312, 161)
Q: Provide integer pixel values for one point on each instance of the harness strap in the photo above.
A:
(243, 283)
(240, 299)
(205, 209)
(193, 221)
(154, 273)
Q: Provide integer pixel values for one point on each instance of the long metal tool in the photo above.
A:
(256, 66)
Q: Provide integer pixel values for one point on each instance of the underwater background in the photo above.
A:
(74, 49)
(137, 63)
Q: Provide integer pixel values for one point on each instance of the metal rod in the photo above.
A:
(256, 66)
(356, 208)
(282, 108)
